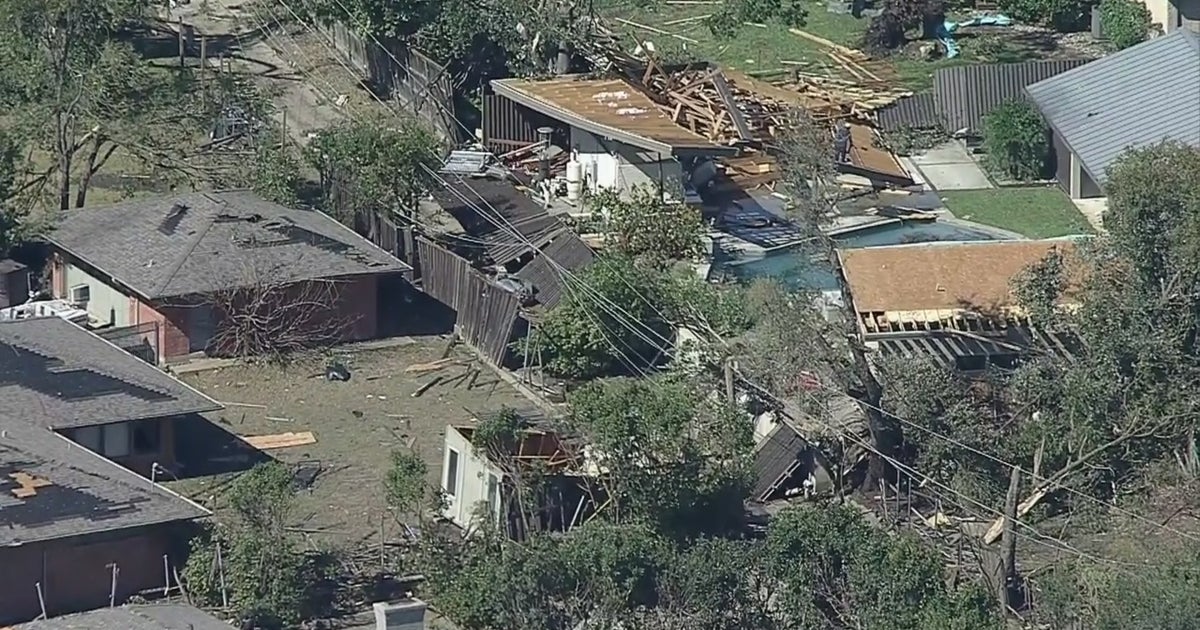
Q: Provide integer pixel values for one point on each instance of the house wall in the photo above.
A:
(141, 461)
(612, 164)
(76, 574)
(1160, 13)
(107, 305)
(473, 475)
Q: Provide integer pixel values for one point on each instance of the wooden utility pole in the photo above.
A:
(1008, 542)
(182, 45)
(203, 65)
(730, 394)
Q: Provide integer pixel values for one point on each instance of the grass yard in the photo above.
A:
(1043, 212)
(771, 49)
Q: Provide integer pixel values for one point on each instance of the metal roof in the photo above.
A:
(918, 111)
(965, 95)
(567, 251)
(1134, 98)
(775, 459)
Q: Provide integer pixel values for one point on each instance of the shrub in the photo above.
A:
(1064, 16)
(1124, 22)
(1016, 141)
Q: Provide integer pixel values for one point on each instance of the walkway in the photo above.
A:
(950, 167)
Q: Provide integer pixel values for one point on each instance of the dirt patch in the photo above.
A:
(357, 425)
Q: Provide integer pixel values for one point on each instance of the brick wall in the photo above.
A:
(76, 575)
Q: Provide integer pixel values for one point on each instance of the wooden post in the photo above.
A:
(182, 45)
(1008, 541)
(112, 588)
(730, 394)
(203, 64)
(221, 577)
(283, 129)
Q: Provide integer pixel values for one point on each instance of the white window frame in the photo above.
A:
(452, 474)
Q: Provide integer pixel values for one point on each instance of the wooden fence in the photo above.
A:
(487, 314)
(393, 69)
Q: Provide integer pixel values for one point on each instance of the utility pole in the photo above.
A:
(1007, 575)
(203, 65)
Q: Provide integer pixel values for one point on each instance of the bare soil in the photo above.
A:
(357, 425)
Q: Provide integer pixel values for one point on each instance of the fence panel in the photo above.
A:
(486, 313)
(423, 85)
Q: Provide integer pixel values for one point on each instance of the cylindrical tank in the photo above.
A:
(574, 180)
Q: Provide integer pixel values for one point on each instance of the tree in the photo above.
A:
(675, 457)
(1017, 141)
(374, 165)
(610, 322)
(251, 560)
(1064, 16)
(644, 226)
(86, 95)
(888, 30)
(1124, 22)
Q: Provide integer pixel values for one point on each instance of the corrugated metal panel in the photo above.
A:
(964, 95)
(1139, 96)
(775, 459)
(566, 251)
(486, 313)
(918, 111)
(508, 125)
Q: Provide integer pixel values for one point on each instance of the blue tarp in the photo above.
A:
(945, 34)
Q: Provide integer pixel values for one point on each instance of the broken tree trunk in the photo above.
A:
(1008, 549)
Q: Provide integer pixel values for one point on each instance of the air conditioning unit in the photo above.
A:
(407, 614)
(81, 294)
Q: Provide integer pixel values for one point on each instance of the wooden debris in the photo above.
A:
(226, 403)
(655, 30)
(432, 366)
(27, 484)
(424, 388)
(280, 440)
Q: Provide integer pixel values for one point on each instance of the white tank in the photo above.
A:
(574, 180)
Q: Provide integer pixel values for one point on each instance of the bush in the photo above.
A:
(1064, 16)
(1124, 22)
(1016, 141)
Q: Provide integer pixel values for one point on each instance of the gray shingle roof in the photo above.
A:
(140, 617)
(567, 251)
(85, 493)
(1137, 97)
(200, 242)
(55, 374)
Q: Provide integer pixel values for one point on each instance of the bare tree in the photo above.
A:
(269, 317)
(807, 159)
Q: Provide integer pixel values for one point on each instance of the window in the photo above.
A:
(451, 472)
(116, 440)
(146, 437)
(81, 294)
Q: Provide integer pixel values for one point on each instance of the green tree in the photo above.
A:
(1017, 141)
(644, 226)
(268, 579)
(675, 457)
(1064, 16)
(374, 164)
(1124, 22)
(276, 172)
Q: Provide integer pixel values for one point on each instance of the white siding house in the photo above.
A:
(622, 167)
(103, 303)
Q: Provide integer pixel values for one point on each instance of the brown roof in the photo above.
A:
(936, 276)
(610, 107)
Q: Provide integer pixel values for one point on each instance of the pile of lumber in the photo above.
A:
(708, 103)
(855, 99)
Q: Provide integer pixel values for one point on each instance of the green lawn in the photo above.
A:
(1043, 212)
(771, 48)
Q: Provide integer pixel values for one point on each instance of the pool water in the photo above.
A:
(801, 267)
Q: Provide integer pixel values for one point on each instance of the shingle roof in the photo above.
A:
(138, 617)
(567, 251)
(200, 242)
(55, 374)
(1137, 97)
(490, 209)
(933, 276)
(775, 458)
(52, 488)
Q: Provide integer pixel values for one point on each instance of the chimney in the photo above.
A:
(406, 614)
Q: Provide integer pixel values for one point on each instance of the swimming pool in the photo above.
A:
(800, 267)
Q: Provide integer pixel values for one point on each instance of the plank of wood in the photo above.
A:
(849, 52)
(432, 366)
(656, 31)
(280, 440)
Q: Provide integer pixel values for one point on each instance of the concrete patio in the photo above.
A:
(950, 167)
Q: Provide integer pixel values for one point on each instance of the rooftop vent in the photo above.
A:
(407, 614)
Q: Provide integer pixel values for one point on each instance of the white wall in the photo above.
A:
(106, 303)
(623, 167)
(473, 473)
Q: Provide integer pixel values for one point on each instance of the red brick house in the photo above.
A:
(177, 262)
(59, 377)
(71, 520)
